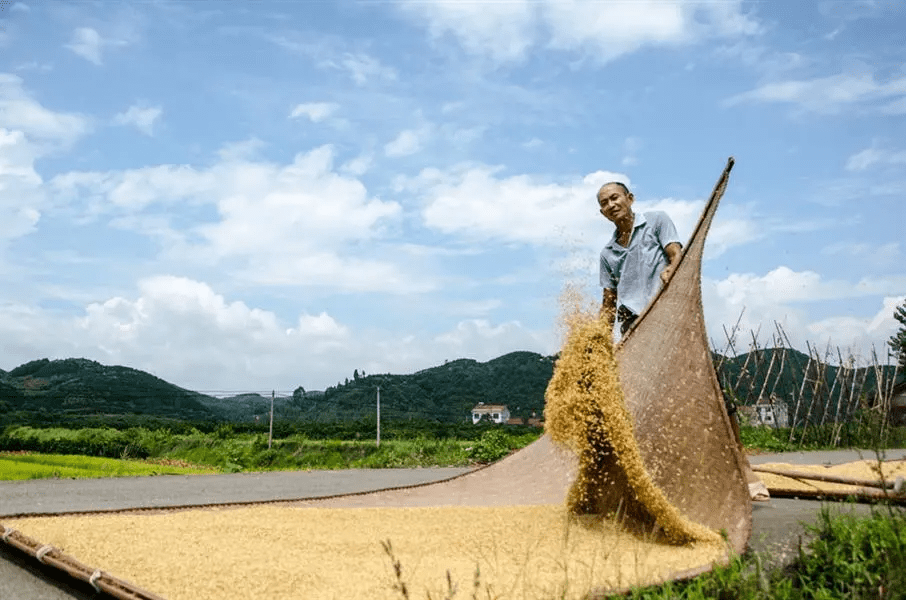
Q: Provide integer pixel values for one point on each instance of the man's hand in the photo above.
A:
(673, 251)
(666, 273)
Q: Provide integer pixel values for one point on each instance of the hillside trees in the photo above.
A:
(897, 341)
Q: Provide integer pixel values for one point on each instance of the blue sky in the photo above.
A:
(260, 195)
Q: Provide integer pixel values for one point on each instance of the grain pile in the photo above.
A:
(867, 470)
(519, 552)
(584, 410)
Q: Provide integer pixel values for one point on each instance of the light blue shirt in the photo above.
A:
(635, 272)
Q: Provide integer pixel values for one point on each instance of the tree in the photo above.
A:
(897, 341)
(299, 397)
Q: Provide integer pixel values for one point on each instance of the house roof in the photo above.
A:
(489, 408)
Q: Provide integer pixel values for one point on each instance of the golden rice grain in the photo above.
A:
(520, 552)
(861, 469)
(585, 411)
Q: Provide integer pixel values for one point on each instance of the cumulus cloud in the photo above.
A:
(788, 298)
(20, 194)
(28, 131)
(501, 30)
(602, 31)
(473, 200)
(186, 332)
(477, 202)
(142, 118)
(297, 224)
(314, 111)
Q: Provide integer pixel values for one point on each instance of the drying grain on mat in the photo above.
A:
(273, 552)
(861, 469)
(585, 411)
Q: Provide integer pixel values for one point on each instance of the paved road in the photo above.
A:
(776, 524)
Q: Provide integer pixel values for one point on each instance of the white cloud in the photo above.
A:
(28, 131)
(142, 118)
(500, 30)
(408, 141)
(602, 31)
(87, 43)
(314, 111)
(18, 111)
(297, 224)
(186, 332)
(608, 30)
(786, 298)
(359, 165)
(20, 196)
(476, 202)
(870, 157)
(854, 87)
(364, 68)
(472, 201)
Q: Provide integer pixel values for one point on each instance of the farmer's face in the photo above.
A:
(614, 202)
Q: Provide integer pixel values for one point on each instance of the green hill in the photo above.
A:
(74, 390)
(76, 387)
(443, 393)
(815, 391)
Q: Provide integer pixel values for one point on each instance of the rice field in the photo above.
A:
(19, 466)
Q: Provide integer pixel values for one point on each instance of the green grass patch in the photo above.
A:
(46, 466)
(856, 558)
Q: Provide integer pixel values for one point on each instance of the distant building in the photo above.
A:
(498, 413)
(770, 412)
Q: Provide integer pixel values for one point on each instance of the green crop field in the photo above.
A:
(45, 466)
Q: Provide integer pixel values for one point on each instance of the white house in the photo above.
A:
(771, 412)
(497, 413)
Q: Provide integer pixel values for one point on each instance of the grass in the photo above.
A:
(45, 466)
(233, 452)
(849, 557)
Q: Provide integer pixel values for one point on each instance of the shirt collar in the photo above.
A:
(637, 222)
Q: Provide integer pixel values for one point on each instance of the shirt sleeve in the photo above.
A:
(665, 229)
(608, 282)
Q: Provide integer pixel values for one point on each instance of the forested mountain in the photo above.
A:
(76, 387)
(443, 393)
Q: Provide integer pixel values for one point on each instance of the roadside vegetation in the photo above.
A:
(848, 557)
(16, 466)
(227, 450)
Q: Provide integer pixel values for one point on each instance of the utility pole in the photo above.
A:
(270, 433)
(379, 416)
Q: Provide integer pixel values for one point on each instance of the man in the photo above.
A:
(641, 256)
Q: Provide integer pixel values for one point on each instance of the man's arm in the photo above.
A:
(673, 250)
(609, 307)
